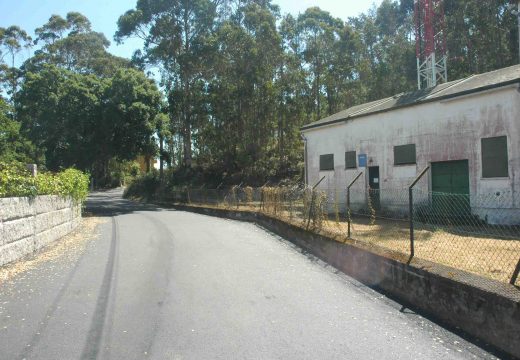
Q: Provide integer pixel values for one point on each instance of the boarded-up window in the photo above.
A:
(404, 154)
(327, 162)
(494, 157)
(350, 160)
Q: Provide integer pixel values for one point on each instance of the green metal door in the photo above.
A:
(450, 186)
(373, 191)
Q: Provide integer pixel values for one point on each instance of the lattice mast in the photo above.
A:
(430, 35)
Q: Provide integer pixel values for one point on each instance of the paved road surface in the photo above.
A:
(166, 284)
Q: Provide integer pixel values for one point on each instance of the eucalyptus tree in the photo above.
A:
(319, 30)
(163, 128)
(51, 31)
(13, 40)
(71, 44)
(480, 38)
(242, 92)
(175, 34)
(293, 92)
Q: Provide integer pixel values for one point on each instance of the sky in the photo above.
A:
(30, 14)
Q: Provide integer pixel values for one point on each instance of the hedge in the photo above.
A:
(15, 180)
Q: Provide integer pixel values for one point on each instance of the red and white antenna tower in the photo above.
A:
(430, 35)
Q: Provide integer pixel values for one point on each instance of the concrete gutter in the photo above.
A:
(483, 308)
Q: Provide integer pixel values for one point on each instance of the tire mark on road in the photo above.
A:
(165, 238)
(95, 333)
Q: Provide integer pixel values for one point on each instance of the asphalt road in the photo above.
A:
(165, 284)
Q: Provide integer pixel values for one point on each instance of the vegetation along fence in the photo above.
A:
(478, 234)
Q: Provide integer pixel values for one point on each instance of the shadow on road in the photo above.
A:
(111, 203)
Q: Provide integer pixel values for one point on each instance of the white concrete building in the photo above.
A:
(467, 131)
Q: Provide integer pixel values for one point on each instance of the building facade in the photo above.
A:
(467, 132)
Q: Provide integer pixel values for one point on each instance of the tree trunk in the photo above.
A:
(161, 158)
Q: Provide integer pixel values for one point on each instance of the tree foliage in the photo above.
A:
(14, 147)
(73, 104)
(15, 180)
(83, 121)
(239, 81)
(71, 44)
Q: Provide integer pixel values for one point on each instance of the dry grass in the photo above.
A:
(71, 245)
(490, 257)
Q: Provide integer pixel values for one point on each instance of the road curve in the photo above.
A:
(165, 284)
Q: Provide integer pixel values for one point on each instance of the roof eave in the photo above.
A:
(425, 101)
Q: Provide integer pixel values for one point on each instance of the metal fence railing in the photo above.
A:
(478, 234)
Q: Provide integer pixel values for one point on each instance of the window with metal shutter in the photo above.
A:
(404, 154)
(327, 162)
(350, 160)
(494, 157)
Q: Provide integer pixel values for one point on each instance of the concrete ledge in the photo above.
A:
(485, 309)
(28, 224)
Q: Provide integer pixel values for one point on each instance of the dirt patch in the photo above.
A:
(71, 245)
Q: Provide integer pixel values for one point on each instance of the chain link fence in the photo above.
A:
(479, 234)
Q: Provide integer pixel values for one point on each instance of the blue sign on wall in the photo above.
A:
(362, 160)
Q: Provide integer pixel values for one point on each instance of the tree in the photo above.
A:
(52, 31)
(132, 104)
(239, 80)
(163, 126)
(14, 147)
(175, 34)
(59, 112)
(319, 31)
(13, 40)
(83, 121)
(480, 38)
(71, 44)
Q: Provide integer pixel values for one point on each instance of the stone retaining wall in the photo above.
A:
(28, 224)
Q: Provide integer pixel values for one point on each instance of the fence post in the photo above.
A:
(515, 273)
(348, 212)
(348, 203)
(312, 202)
(410, 210)
(237, 189)
(410, 216)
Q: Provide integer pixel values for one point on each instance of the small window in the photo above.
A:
(350, 160)
(327, 162)
(494, 157)
(404, 154)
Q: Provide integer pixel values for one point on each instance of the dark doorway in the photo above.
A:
(374, 190)
(450, 187)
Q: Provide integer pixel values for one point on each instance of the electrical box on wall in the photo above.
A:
(362, 160)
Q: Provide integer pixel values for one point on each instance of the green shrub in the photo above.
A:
(144, 186)
(15, 180)
(74, 183)
(122, 172)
